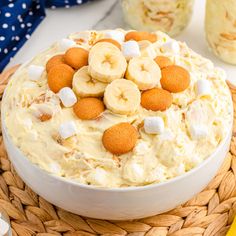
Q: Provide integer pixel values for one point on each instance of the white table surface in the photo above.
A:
(102, 14)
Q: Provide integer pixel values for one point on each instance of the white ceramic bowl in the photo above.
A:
(115, 203)
(120, 203)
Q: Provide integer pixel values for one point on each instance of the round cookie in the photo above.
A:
(76, 57)
(60, 76)
(163, 61)
(139, 36)
(175, 78)
(120, 138)
(55, 60)
(114, 42)
(88, 108)
(156, 99)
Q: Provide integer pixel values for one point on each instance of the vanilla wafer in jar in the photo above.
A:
(220, 27)
(169, 16)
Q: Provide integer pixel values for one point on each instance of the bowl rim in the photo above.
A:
(117, 189)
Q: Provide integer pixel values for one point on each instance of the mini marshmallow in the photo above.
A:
(55, 168)
(198, 131)
(203, 88)
(116, 35)
(171, 46)
(35, 72)
(67, 97)
(98, 177)
(130, 49)
(141, 148)
(154, 125)
(196, 160)
(137, 169)
(67, 129)
(150, 51)
(133, 172)
(4, 227)
(180, 169)
(147, 49)
(65, 44)
(159, 174)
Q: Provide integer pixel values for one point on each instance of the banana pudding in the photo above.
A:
(169, 16)
(117, 109)
(220, 23)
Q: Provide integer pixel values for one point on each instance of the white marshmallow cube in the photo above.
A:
(116, 35)
(130, 49)
(67, 97)
(4, 227)
(65, 44)
(137, 169)
(159, 174)
(203, 88)
(180, 169)
(134, 172)
(198, 131)
(55, 168)
(98, 177)
(196, 160)
(35, 72)
(147, 49)
(154, 125)
(171, 46)
(141, 148)
(150, 51)
(67, 129)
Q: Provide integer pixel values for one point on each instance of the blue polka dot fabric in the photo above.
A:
(19, 19)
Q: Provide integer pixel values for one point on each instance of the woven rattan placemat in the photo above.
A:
(210, 213)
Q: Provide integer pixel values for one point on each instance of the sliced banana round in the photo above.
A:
(85, 86)
(106, 62)
(144, 72)
(122, 97)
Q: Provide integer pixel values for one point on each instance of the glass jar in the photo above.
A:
(220, 27)
(169, 16)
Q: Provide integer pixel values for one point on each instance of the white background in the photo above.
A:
(101, 14)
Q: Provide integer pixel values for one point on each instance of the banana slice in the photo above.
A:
(106, 62)
(122, 97)
(101, 48)
(85, 86)
(144, 72)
